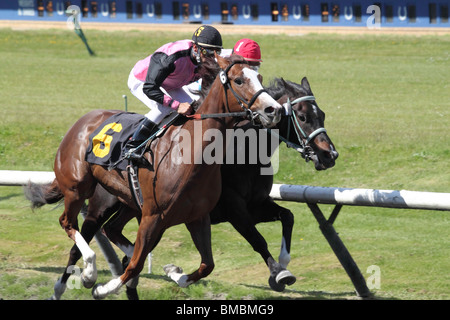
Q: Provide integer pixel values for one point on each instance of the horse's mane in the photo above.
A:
(279, 87)
(208, 72)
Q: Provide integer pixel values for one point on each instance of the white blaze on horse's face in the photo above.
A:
(271, 114)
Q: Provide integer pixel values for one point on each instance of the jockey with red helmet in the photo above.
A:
(246, 48)
(250, 51)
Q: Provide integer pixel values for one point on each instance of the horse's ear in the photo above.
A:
(284, 83)
(306, 86)
(260, 78)
(223, 63)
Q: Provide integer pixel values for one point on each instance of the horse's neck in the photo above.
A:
(282, 127)
(215, 103)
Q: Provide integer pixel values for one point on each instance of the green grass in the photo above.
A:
(387, 100)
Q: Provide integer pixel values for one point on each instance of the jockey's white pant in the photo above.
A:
(157, 110)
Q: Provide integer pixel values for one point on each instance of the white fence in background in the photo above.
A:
(310, 195)
(401, 199)
(21, 178)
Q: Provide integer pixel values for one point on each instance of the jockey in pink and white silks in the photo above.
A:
(158, 80)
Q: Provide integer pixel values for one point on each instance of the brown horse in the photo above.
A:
(245, 199)
(173, 192)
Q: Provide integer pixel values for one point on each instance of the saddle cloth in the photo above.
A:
(108, 140)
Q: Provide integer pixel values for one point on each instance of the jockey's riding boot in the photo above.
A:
(144, 131)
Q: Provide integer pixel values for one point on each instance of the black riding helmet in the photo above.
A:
(207, 37)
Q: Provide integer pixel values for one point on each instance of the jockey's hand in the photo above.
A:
(185, 108)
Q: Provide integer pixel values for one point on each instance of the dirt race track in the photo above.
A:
(225, 29)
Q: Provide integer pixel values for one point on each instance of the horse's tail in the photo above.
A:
(42, 194)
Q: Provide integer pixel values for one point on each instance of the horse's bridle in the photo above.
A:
(304, 148)
(223, 75)
(245, 105)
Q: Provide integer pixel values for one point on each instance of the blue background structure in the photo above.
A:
(393, 13)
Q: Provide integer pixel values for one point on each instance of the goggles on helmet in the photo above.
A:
(209, 52)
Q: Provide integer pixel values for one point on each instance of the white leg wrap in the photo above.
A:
(89, 275)
(284, 258)
(176, 274)
(101, 291)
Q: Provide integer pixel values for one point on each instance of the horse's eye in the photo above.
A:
(238, 81)
(302, 117)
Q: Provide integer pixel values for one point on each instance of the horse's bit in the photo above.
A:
(223, 75)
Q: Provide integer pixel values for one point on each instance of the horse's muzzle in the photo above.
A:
(270, 116)
(325, 159)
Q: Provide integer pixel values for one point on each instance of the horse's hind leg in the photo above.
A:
(201, 235)
(149, 233)
(101, 206)
(61, 284)
(74, 255)
(68, 220)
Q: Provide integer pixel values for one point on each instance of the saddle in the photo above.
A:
(107, 142)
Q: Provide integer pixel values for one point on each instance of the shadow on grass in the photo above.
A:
(222, 290)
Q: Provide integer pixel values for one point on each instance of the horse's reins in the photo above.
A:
(247, 113)
(304, 148)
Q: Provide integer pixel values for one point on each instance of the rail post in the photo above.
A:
(339, 249)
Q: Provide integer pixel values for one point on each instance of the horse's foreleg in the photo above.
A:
(149, 233)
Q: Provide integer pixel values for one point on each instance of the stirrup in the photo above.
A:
(132, 155)
(135, 186)
(137, 158)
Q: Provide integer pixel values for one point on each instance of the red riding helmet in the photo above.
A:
(248, 49)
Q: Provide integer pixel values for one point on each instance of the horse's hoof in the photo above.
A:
(100, 291)
(278, 287)
(89, 274)
(87, 283)
(285, 277)
(96, 292)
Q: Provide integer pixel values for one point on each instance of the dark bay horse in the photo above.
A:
(302, 128)
(245, 199)
(173, 193)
